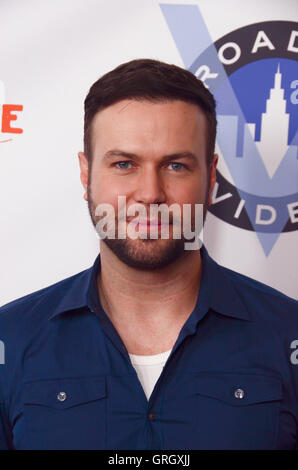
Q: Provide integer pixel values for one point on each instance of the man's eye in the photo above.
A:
(122, 165)
(178, 166)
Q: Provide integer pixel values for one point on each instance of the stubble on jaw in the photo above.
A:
(143, 254)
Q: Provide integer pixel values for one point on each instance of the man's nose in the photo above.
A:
(150, 188)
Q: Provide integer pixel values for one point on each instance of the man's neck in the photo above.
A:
(149, 308)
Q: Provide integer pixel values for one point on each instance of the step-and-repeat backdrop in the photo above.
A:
(52, 51)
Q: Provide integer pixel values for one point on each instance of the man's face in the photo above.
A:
(136, 153)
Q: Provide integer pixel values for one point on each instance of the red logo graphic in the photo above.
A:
(8, 114)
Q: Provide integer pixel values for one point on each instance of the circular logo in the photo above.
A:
(252, 73)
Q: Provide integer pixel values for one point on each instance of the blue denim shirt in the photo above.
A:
(230, 382)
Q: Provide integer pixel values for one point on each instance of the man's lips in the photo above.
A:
(148, 223)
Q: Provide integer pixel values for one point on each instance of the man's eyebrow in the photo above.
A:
(173, 156)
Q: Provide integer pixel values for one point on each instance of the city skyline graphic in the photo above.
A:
(274, 129)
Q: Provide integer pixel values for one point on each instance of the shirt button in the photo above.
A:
(61, 396)
(238, 393)
(151, 416)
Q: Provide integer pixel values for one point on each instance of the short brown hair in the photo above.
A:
(151, 80)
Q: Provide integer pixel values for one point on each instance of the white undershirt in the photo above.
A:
(149, 368)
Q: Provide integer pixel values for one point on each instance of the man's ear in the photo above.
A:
(83, 162)
(212, 177)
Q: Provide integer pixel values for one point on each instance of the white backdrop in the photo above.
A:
(51, 52)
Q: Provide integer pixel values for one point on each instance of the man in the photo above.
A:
(156, 346)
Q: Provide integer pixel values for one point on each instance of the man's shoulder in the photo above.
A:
(41, 302)
(262, 299)
(23, 319)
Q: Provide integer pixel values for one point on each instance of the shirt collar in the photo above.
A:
(217, 290)
(80, 290)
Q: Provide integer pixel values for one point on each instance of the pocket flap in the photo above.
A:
(64, 393)
(239, 389)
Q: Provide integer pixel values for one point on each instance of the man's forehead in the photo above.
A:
(121, 109)
(146, 123)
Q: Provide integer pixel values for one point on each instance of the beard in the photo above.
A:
(144, 253)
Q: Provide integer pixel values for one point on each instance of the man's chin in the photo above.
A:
(146, 254)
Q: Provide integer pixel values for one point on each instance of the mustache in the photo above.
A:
(157, 214)
(162, 214)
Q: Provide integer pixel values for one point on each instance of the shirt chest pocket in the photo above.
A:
(65, 413)
(224, 411)
(240, 411)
